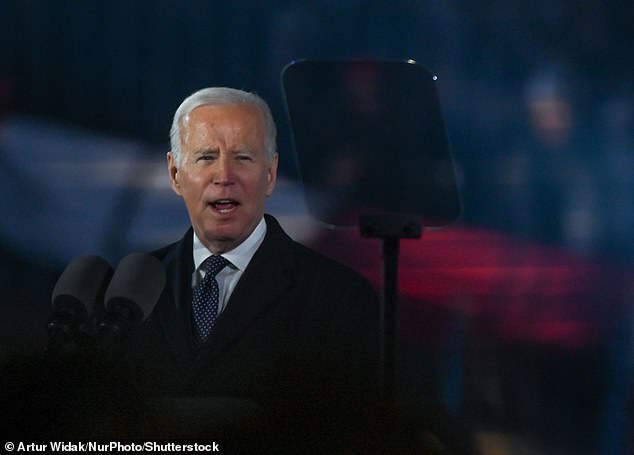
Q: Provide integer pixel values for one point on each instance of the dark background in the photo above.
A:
(519, 316)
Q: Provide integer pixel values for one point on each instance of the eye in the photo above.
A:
(244, 157)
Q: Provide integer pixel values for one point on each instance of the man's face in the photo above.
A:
(225, 175)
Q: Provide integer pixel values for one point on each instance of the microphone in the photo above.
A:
(133, 292)
(77, 297)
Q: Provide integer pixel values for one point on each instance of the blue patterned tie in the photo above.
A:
(206, 298)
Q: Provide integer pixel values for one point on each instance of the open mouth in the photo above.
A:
(224, 205)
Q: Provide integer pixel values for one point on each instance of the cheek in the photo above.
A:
(191, 185)
(265, 186)
(191, 175)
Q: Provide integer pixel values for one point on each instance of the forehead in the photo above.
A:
(233, 124)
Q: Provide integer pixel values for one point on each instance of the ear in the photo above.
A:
(272, 175)
(173, 173)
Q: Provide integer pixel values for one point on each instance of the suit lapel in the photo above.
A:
(263, 283)
(174, 310)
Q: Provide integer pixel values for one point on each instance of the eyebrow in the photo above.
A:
(215, 150)
(247, 150)
(206, 151)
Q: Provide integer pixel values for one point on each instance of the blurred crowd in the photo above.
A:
(538, 96)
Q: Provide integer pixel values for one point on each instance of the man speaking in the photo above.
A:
(247, 312)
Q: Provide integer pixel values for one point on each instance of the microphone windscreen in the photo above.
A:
(82, 284)
(137, 284)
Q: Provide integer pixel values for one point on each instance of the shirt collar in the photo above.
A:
(240, 256)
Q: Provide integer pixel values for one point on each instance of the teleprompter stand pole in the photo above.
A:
(390, 228)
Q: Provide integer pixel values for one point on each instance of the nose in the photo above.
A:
(223, 171)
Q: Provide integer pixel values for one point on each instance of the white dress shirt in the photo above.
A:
(238, 258)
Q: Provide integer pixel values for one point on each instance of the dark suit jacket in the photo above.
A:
(299, 334)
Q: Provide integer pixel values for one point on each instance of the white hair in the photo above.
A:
(221, 96)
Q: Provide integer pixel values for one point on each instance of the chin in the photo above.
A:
(229, 232)
(221, 236)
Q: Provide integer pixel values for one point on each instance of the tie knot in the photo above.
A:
(214, 264)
